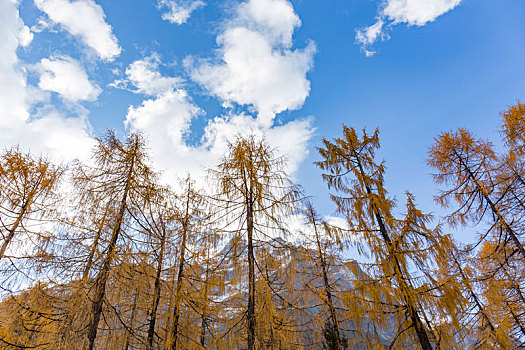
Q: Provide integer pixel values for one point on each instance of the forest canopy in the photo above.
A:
(104, 255)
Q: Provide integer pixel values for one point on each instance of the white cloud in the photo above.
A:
(369, 35)
(179, 11)
(48, 131)
(274, 19)
(25, 36)
(290, 139)
(167, 117)
(411, 12)
(167, 120)
(144, 75)
(417, 12)
(63, 138)
(67, 77)
(13, 95)
(85, 19)
(255, 64)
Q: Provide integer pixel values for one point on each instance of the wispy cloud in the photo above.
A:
(392, 12)
(179, 11)
(143, 76)
(66, 76)
(46, 130)
(84, 19)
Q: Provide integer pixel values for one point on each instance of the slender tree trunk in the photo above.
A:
(204, 309)
(516, 319)
(203, 330)
(327, 289)
(156, 292)
(94, 247)
(78, 294)
(415, 319)
(251, 277)
(167, 317)
(132, 319)
(100, 283)
(516, 288)
(180, 277)
(421, 332)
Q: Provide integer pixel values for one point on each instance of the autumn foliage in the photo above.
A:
(106, 256)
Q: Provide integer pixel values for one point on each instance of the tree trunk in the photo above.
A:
(100, 283)
(180, 277)
(421, 332)
(478, 304)
(156, 292)
(251, 278)
(94, 247)
(327, 289)
(205, 301)
(132, 319)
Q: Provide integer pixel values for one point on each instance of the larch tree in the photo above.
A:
(511, 166)
(29, 201)
(119, 178)
(255, 194)
(500, 281)
(399, 247)
(323, 236)
(476, 325)
(487, 187)
(190, 218)
(160, 229)
(467, 167)
(28, 191)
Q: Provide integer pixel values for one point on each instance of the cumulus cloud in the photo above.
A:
(67, 77)
(47, 131)
(166, 118)
(13, 95)
(179, 11)
(86, 20)
(417, 12)
(144, 76)
(255, 64)
(25, 36)
(63, 138)
(290, 139)
(411, 12)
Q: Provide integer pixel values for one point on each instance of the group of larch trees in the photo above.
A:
(105, 255)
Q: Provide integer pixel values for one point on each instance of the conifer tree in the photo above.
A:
(28, 189)
(510, 171)
(468, 166)
(120, 178)
(349, 168)
(500, 280)
(190, 218)
(332, 332)
(255, 193)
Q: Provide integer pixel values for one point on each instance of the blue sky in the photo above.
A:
(192, 74)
